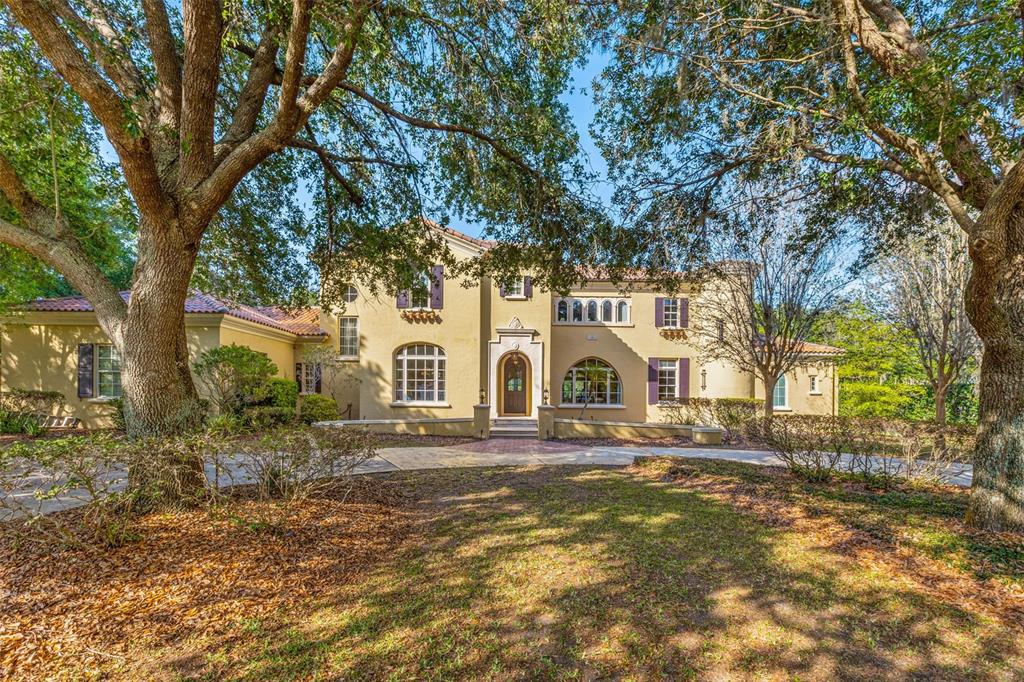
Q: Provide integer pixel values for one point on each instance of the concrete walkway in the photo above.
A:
(494, 452)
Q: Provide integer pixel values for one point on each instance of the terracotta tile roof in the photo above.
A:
(301, 322)
(820, 349)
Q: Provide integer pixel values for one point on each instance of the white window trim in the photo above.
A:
(303, 388)
(440, 355)
(584, 301)
(428, 278)
(99, 398)
(600, 406)
(342, 356)
(669, 401)
(522, 289)
(815, 388)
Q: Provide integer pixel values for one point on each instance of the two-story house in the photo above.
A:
(425, 359)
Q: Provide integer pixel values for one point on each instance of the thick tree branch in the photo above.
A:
(167, 61)
(300, 143)
(254, 92)
(203, 27)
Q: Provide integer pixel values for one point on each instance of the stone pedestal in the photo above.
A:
(545, 422)
(706, 435)
(482, 421)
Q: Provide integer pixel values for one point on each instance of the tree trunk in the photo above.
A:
(159, 394)
(995, 305)
(769, 393)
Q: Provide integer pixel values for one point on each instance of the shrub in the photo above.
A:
(731, 414)
(235, 376)
(224, 425)
(16, 422)
(118, 418)
(26, 401)
(266, 416)
(295, 464)
(810, 446)
(283, 393)
(318, 408)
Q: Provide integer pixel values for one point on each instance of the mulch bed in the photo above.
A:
(190, 573)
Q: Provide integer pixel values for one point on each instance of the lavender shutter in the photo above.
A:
(684, 312)
(501, 291)
(528, 287)
(437, 287)
(85, 367)
(402, 300)
(652, 381)
(684, 378)
(659, 312)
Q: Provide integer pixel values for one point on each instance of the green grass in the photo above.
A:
(601, 573)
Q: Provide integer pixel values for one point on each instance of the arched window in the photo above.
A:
(577, 311)
(563, 311)
(623, 315)
(591, 382)
(591, 311)
(779, 394)
(420, 374)
(606, 311)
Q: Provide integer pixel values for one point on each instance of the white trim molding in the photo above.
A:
(515, 338)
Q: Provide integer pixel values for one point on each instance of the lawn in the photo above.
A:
(670, 569)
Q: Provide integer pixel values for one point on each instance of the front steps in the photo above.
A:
(506, 427)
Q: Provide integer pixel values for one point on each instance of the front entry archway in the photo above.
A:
(516, 379)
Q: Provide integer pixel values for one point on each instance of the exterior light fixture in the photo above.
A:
(547, 395)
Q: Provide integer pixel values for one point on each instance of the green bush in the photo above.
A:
(318, 408)
(266, 416)
(118, 417)
(17, 422)
(226, 425)
(283, 393)
(236, 376)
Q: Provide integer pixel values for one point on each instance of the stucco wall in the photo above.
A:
(800, 399)
(278, 346)
(40, 352)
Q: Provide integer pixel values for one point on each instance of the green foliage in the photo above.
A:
(864, 399)
(118, 417)
(235, 376)
(266, 416)
(283, 393)
(876, 351)
(318, 408)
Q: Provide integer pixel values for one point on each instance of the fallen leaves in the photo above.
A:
(192, 573)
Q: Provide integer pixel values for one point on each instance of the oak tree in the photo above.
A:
(872, 109)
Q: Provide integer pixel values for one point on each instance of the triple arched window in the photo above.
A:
(420, 373)
(591, 382)
(592, 311)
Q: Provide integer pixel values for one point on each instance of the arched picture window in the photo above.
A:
(606, 311)
(591, 311)
(420, 373)
(577, 311)
(563, 311)
(779, 394)
(623, 315)
(591, 382)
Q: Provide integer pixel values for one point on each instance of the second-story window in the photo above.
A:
(515, 289)
(577, 311)
(349, 337)
(563, 311)
(420, 295)
(591, 311)
(671, 312)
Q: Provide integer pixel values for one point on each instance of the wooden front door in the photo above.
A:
(515, 380)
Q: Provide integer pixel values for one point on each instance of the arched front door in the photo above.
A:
(515, 385)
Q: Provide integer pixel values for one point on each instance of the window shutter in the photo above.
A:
(684, 312)
(319, 378)
(652, 381)
(659, 312)
(501, 291)
(85, 370)
(437, 287)
(528, 287)
(402, 301)
(684, 378)
(298, 375)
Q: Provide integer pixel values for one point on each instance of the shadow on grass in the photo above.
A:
(599, 573)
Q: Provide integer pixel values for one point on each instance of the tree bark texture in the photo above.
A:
(995, 304)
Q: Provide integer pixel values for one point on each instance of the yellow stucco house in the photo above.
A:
(443, 356)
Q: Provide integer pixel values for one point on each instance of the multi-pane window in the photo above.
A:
(419, 297)
(592, 311)
(311, 373)
(814, 385)
(515, 289)
(351, 293)
(420, 374)
(779, 394)
(349, 334)
(108, 372)
(671, 312)
(592, 382)
(668, 379)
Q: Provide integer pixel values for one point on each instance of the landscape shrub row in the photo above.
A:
(730, 414)
(877, 450)
(23, 411)
(109, 479)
